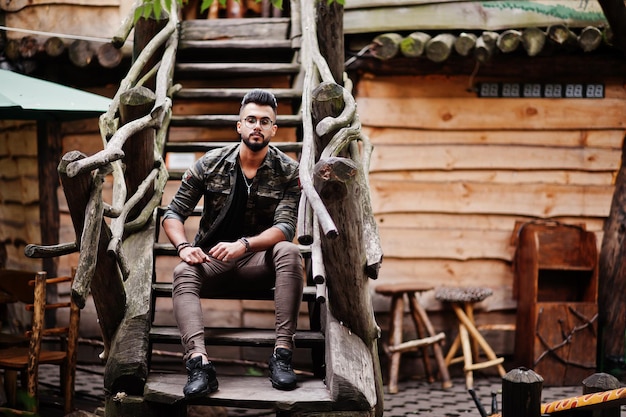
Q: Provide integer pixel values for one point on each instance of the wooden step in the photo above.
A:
(235, 94)
(242, 392)
(164, 289)
(232, 68)
(223, 336)
(245, 28)
(228, 120)
(243, 44)
(207, 146)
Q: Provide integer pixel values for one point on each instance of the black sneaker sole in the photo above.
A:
(283, 387)
(212, 387)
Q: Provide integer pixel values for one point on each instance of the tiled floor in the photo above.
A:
(414, 398)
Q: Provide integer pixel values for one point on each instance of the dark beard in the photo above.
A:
(255, 146)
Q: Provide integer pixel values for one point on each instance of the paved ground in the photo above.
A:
(415, 397)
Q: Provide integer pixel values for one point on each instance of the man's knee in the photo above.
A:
(287, 249)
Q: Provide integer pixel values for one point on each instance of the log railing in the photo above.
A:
(336, 219)
(103, 264)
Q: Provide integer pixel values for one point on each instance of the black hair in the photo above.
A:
(260, 97)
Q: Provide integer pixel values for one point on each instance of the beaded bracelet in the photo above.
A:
(182, 245)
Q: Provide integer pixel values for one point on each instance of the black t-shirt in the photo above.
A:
(233, 226)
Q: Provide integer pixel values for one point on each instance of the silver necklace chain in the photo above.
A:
(245, 180)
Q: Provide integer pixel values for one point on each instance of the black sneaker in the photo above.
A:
(281, 373)
(201, 379)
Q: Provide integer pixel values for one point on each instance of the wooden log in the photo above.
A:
(127, 367)
(615, 12)
(562, 36)
(29, 46)
(386, 46)
(590, 38)
(485, 46)
(349, 362)
(81, 53)
(49, 148)
(327, 101)
(349, 299)
(509, 40)
(106, 285)
(329, 16)
(139, 148)
(600, 382)
(521, 393)
(612, 279)
(145, 30)
(414, 44)
(439, 48)
(12, 50)
(54, 46)
(533, 40)
(108, 55)
(465, 43)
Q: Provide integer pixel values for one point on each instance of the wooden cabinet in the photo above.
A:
(556, 281)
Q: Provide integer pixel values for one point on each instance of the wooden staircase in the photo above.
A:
(217, 63)
(126, 265)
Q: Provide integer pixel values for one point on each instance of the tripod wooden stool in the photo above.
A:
(469, 338)
(424, 329)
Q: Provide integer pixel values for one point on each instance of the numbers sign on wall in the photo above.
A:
(538, 90)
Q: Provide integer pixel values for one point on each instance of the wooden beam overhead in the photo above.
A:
(469, 15)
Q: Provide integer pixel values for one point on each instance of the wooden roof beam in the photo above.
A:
(615, 13)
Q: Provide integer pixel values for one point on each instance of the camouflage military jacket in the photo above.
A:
(273, 201)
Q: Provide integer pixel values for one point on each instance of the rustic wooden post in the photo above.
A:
(339, 183)
(139, 148)
(600, 382)
(612, 279)
(126, 369)
(49, 146)
(145, 30)
(327, 101)
(106, 285)
(521, 393)
(615, 12)
(330, 37)
(349, 298)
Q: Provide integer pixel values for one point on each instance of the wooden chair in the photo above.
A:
(60, 347)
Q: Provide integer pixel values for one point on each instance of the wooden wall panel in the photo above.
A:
(489, 114)
(452, 173)
(606, 138)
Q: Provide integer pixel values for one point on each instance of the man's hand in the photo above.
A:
(193, 255)
(227, 251)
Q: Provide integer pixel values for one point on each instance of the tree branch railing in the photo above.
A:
(92, 228)
(347, 128)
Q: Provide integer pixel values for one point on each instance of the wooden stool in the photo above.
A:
(425, 332)
(469, 338)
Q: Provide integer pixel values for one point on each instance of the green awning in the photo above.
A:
(28, 98)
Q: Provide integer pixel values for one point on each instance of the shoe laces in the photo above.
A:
(195, 374)
(282, 364)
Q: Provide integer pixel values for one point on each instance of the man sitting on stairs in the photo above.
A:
(251, 192)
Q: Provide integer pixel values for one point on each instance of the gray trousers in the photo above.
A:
(279, 267)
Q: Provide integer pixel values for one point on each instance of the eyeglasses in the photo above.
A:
(251, 121)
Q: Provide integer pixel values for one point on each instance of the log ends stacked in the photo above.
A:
(81, 53)
(484, 46)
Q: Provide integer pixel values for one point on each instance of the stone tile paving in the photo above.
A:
(414, 398)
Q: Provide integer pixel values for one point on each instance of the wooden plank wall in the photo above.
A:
(19, 192)
(19, 188)
(451, 173)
